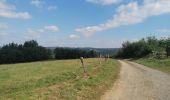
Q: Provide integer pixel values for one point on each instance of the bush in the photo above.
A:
(149, 46)
(134, 50)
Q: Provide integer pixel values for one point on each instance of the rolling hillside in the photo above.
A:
(62, 79)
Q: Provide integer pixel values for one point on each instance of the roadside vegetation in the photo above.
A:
(160, 64)
(62, 79)
(149, 51)
(146, 47)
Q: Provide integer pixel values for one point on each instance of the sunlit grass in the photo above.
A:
(160, 64)
(61, 79)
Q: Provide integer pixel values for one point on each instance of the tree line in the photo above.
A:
(73, 53)
(150, 46)
(31, 51)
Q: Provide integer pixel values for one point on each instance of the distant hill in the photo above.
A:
(103, 51)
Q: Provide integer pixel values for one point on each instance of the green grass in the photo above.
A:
(61, 79)
(159, 64)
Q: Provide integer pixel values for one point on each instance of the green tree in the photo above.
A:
(30, 51)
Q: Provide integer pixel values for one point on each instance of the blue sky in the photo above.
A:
(83, 23)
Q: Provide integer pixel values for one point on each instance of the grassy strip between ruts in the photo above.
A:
(61, 80)
(159, 64)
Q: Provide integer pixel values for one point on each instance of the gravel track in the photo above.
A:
(138, 82)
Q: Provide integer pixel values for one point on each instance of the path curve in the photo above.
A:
(138, 82)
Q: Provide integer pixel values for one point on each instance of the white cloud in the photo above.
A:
(164, 30)
(42, 4)
(37, 3)
(31, 33)
(35, 33)
(5, 6)
(3, 34)
(3, 26)
(9, 11)
(73, 36)
(104, 2)
(132, 13)
(51, 28)
(52, 8)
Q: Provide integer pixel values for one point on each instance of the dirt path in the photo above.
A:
(138, 82)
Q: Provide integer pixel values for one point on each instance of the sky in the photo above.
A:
(83, 23)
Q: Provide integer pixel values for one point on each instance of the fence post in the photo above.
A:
(108, 56)
(168, 51)
(100, 59)
(82, 62)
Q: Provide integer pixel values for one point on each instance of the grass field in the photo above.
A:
(51, 80)
(159, 64)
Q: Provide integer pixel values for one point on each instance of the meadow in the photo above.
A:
(59, 79)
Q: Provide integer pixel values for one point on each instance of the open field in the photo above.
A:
(51, 80)
(160, 64)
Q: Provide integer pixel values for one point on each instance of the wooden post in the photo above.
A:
(100, 59)
(168, 51)
(105, 57)
(108, 56)
(82, 62)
